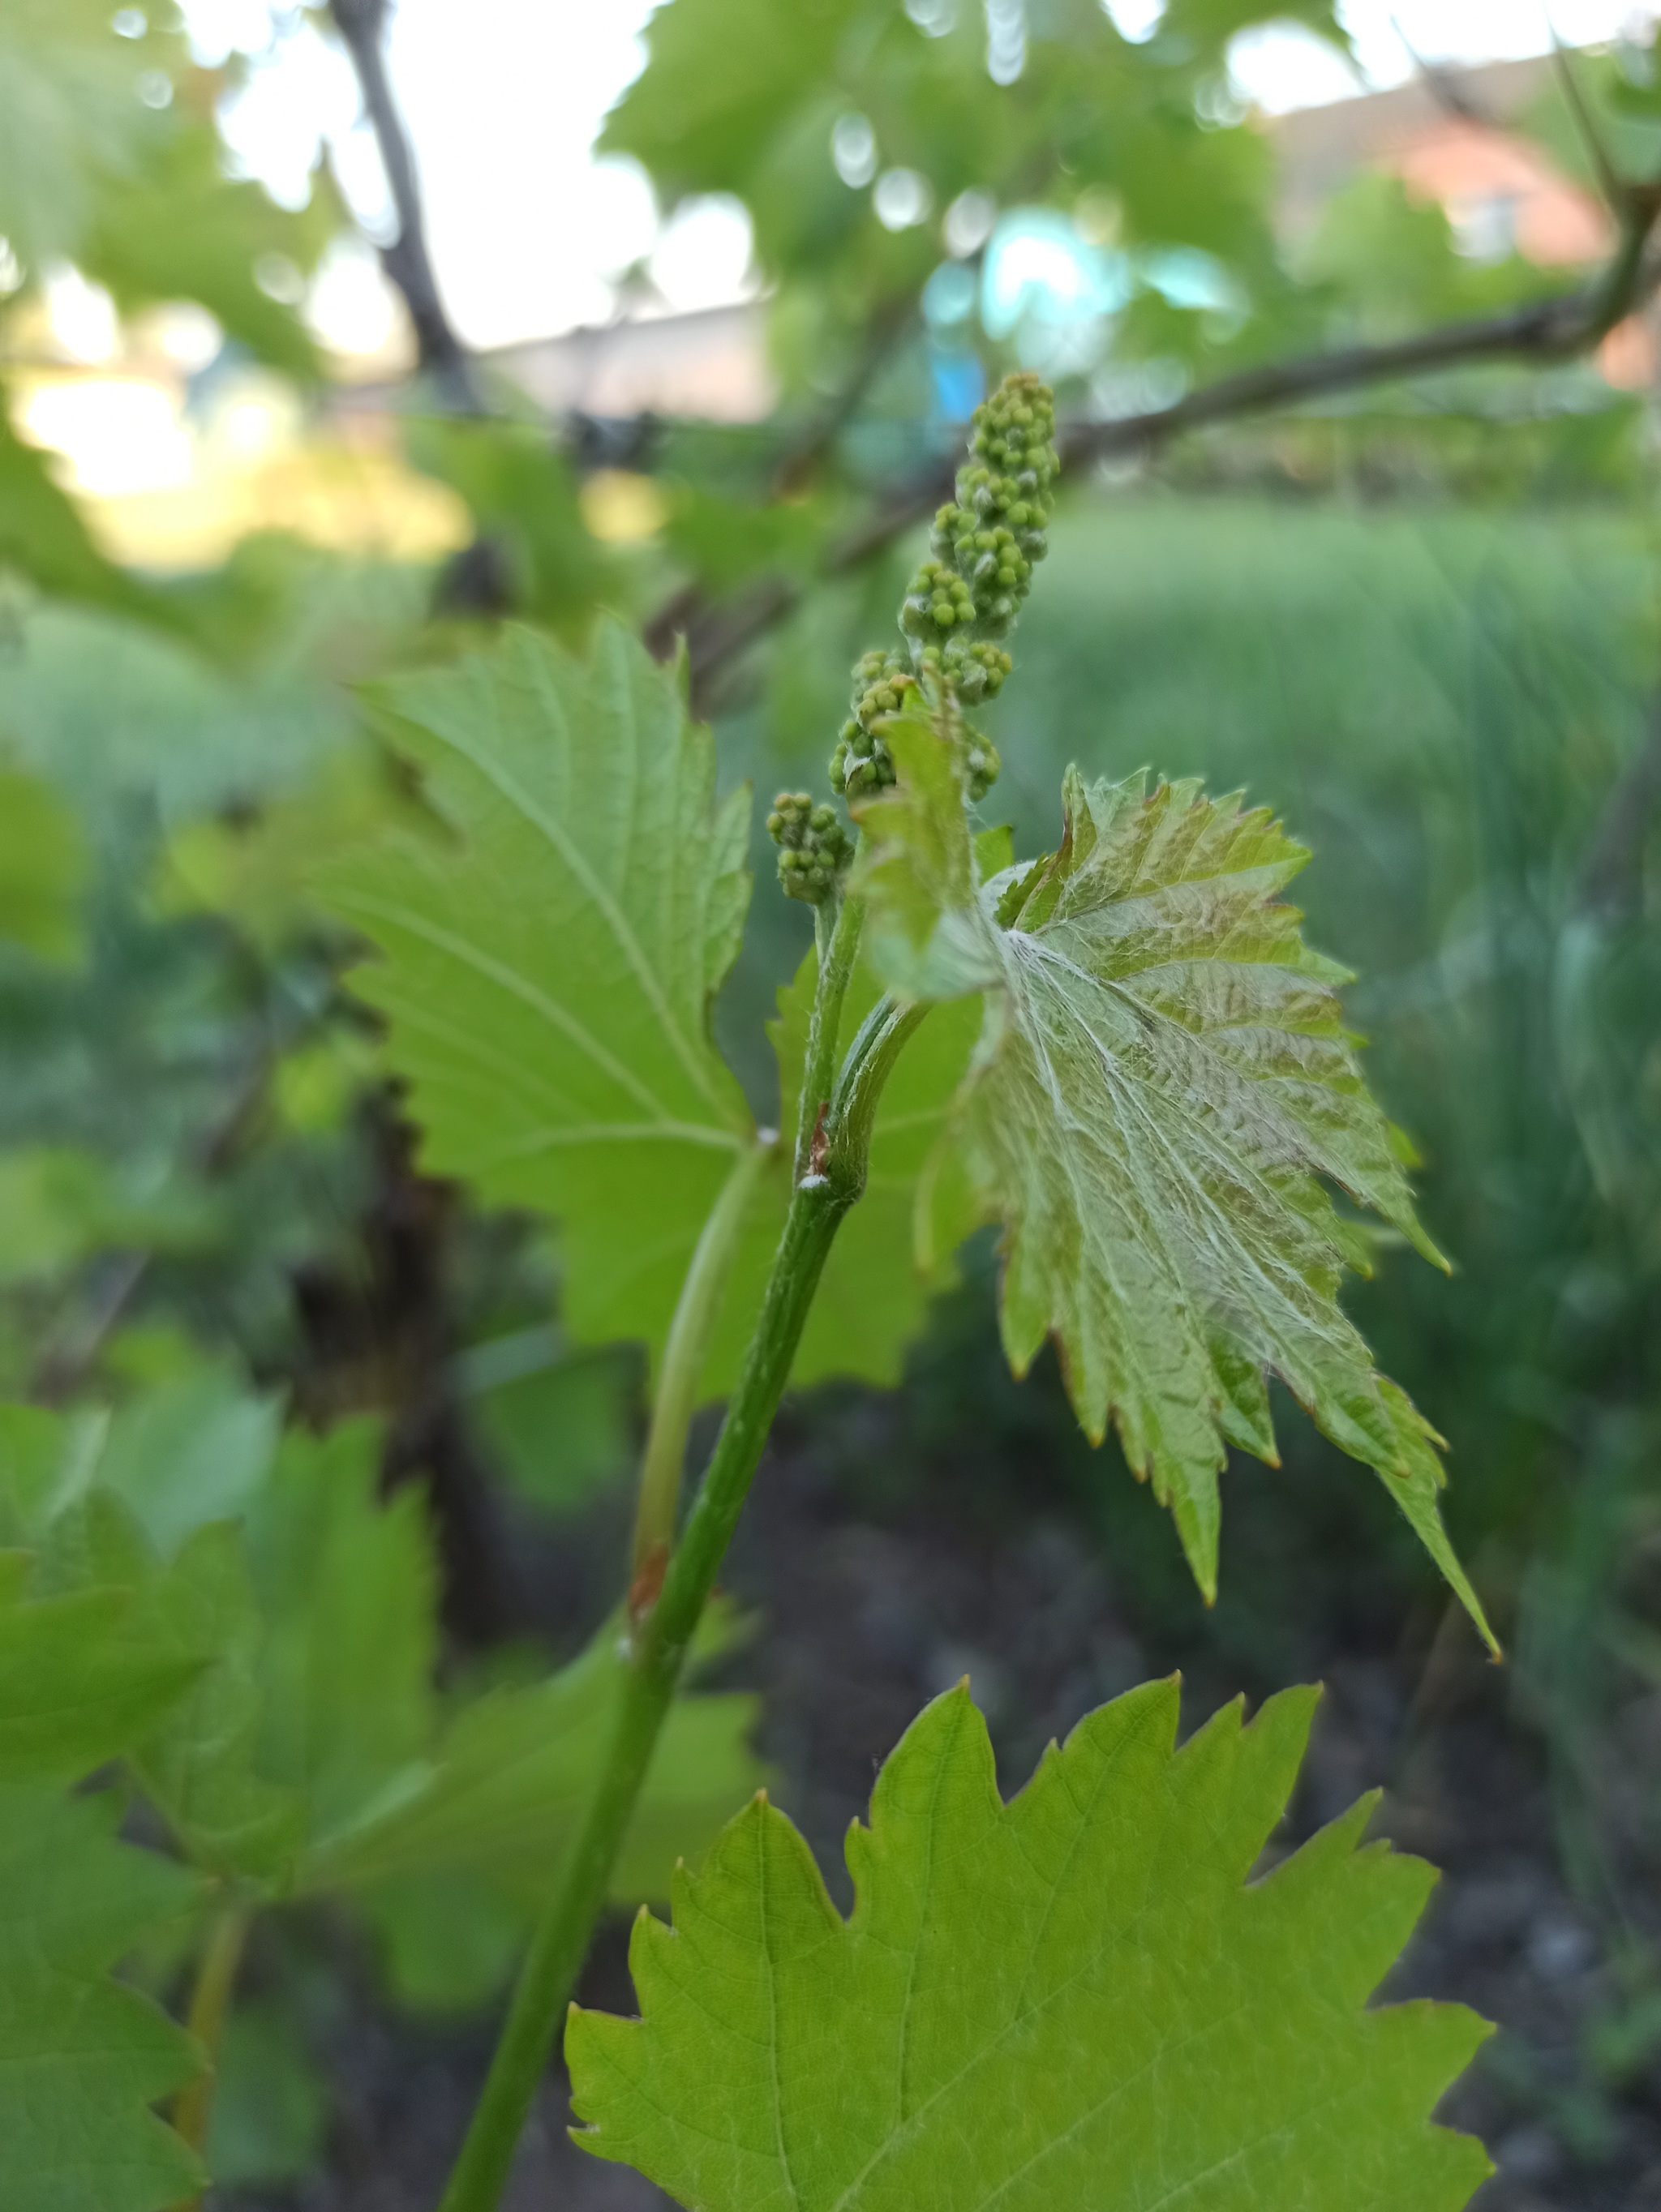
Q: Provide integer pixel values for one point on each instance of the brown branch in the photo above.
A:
(361, 25)
(1610, 183)
(689, 609)
(1556, 329)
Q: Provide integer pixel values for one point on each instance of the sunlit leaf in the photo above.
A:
(175, 226)
(547, 979)
(42, 538)
(1075, 1999)
(69, 114)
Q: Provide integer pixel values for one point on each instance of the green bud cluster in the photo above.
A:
(988, 540)
(861, 763)
(814, 849)
(964, 598)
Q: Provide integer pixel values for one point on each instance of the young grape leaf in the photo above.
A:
(81, 2059)
(1075, 1999)
(547, 979)
(1161, 1083)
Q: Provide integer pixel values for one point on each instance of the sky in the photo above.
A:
(503, 99)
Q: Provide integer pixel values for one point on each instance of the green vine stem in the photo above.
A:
(659, 1498)
(838, 943)
(659, 1648)
(211, 1997)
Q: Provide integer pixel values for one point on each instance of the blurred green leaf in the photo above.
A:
(510, 1773)
(201, 1766)
(520, 490)
(54, 1200)
(447, 1944)
(82, 2058)
(125, 723)
(725, 104)
(71, 116)
(347, 1586)
(44, 539)
(175, 226)
(188, 1451)
(1394, 268)
(724, 540)
(43, 867)
(59, 1204)
(84, 1674)
(259, 866)
(107, 161)
(81, 1677)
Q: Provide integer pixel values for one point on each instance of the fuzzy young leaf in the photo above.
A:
(1162, 1083)
(82, 2059)
(1073, 1999)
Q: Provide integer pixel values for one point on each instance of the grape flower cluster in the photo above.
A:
(814, 849)
(958, 607)
(966, 595)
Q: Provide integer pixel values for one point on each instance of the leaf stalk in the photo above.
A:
(658, 1504)
(839, 949)
(210, 1998)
